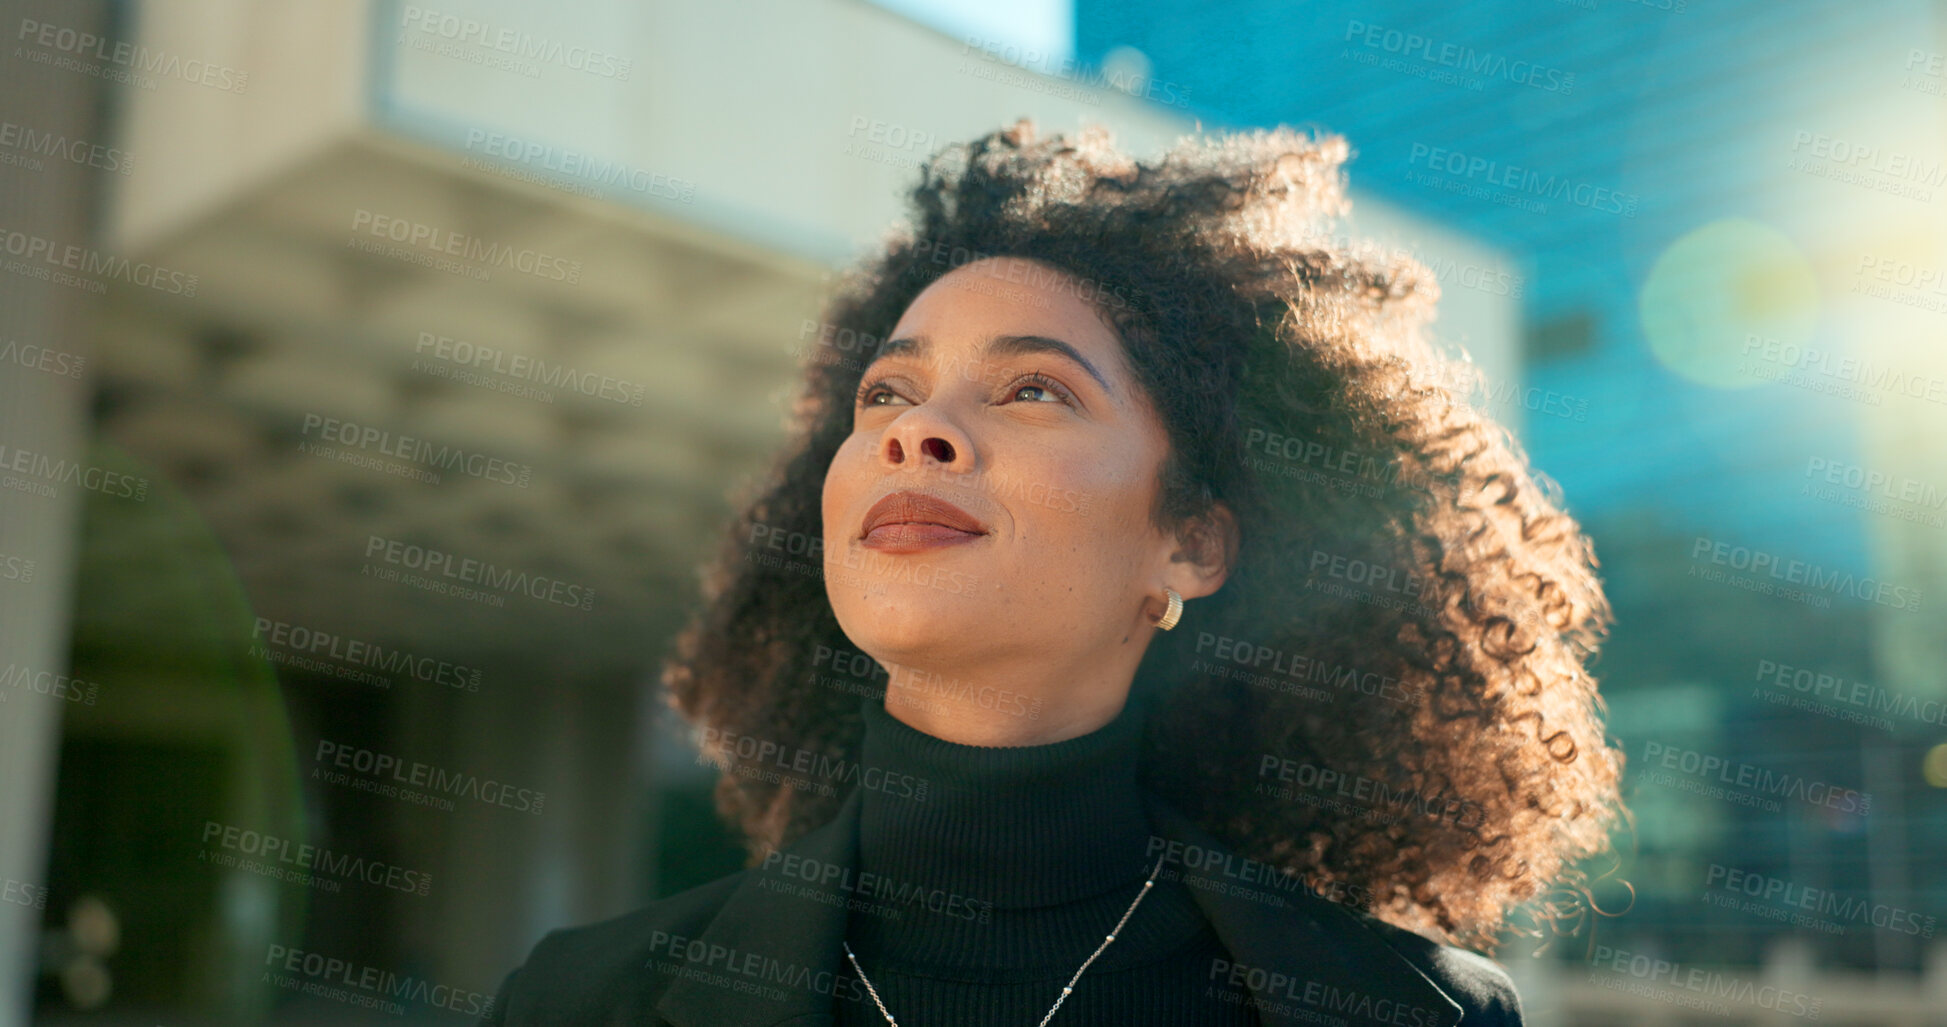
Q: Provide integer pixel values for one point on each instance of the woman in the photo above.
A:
(985, 776)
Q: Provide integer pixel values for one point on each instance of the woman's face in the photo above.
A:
(1001, 392)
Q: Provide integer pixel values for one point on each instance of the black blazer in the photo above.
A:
(757, 948)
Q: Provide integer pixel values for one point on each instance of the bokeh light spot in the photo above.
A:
(1718, 288)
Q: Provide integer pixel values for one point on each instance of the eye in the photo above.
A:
(1042, 382)
(870, 390)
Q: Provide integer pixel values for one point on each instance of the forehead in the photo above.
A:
(1010, 294)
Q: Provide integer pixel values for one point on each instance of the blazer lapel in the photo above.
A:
(1300, 955)
(772, 955)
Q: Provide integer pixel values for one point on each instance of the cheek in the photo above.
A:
(837, 481)
(1099, 511)
(1083, 506)
(1112, 489)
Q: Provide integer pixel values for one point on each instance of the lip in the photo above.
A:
(905, 521)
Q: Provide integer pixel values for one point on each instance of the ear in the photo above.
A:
(1207, 549)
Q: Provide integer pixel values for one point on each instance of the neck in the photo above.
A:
(957, 709)
(1016, 825)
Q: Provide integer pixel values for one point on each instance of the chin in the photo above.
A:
(900, 623)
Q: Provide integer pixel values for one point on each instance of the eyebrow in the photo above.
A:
(1001, 346)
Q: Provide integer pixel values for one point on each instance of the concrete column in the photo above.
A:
(43, 423)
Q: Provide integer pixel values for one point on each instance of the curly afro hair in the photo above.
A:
(1389, 696)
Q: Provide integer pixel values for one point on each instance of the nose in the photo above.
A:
(934, 446)
(921, 435)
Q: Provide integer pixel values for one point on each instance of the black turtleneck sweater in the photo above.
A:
(1017, 861)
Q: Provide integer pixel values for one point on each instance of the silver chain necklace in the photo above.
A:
(1069, 987)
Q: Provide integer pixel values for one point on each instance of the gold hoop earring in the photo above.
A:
(1175, 611)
